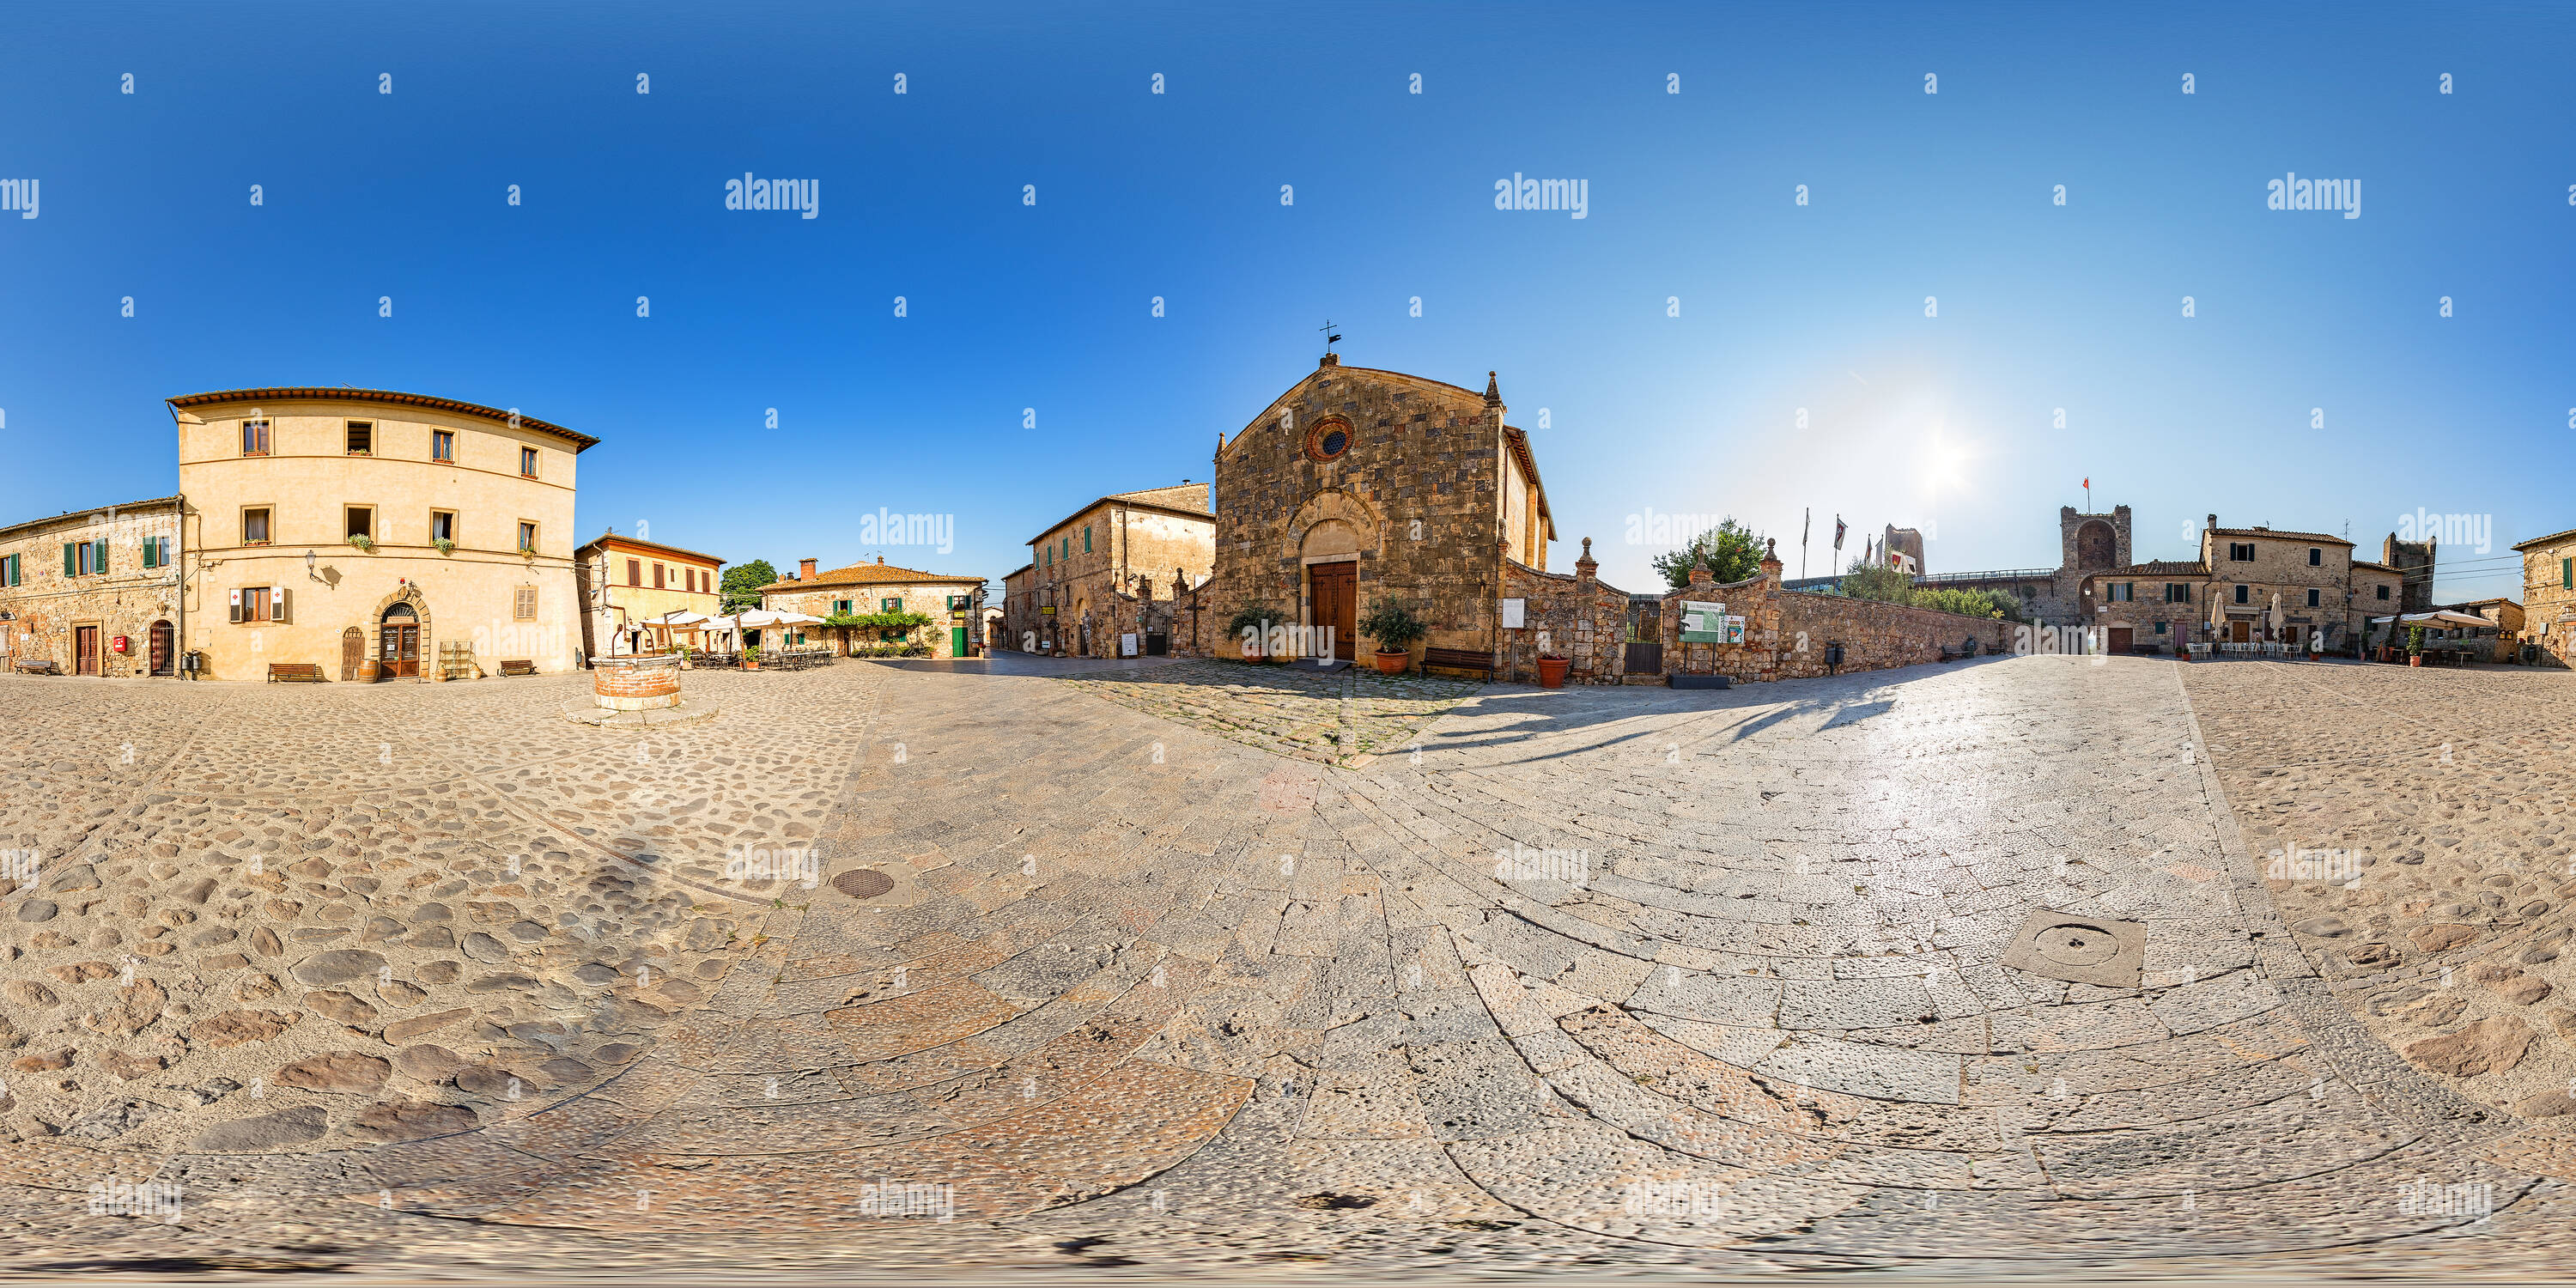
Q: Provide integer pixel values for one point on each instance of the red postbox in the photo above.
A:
(118, 643)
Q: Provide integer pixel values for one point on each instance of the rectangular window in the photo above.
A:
(442, 445)
(254, 438)
(2177, 592)
(2316, 557)
(2383, 591)
(841, 608)
(894, 605)
(362, 438)
(2160, 628)
(8, 570)
(442, 525)
(2312, 596)
(634, 572)
(957, 603)
(528, 462)
(524, 607)
(2124, 592)
(2241, 551)
(361, 521)
(527, 536)
(259, 604)
(657, 576)
(255, 526)
(2567, 574)
(2242, 591)
(1086, 538)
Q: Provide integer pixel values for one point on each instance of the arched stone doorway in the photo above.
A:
(164, 646)
(1330, 553)
(412, 627)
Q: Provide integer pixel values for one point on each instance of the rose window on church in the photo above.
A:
(1329, 438)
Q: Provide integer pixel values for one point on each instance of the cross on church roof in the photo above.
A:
(1330, 339)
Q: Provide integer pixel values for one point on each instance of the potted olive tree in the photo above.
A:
(1396, 630)
(2414, 646)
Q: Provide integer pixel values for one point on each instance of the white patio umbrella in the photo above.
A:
(2276, 616)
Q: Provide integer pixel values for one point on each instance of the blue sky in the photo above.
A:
(1947, 422)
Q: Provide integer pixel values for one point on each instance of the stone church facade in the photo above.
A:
(1358, 483)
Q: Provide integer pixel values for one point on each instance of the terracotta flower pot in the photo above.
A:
(1551, 672)
(1393, 663)
(2414, 659)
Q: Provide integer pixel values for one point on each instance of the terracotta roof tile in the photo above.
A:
(872, 574)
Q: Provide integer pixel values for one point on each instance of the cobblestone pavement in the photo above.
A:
(1341, 718)
(2415, 828)
(1611, 981)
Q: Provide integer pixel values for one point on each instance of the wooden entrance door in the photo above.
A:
(401, 653)
(2240, 631)
(353, 653)
(85, 650)
(2120, 639)
(1336, 604)
(164, 643)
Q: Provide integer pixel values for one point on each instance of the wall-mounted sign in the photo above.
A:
(1735, 628)
(1127, 645)
(1046, 610)
(1703, 623)
(1514, 611)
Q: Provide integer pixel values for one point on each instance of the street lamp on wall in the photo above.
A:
(308, 567)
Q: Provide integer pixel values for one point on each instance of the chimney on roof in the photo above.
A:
(2213, 523)
(804, 570)
(880, 558)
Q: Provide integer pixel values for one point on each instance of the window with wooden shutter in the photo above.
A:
(525, 608)
(657, 576)
(71, 562)
(1086, 538)
(634, 572)
(892, 604)
(277, 603)
(237, 605)
(99, 559)
(2567, 574)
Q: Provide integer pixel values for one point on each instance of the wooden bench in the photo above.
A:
(40, 666)
(518, 668)
(294, 673)
(1480, 665)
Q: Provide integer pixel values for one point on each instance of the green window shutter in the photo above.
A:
(101, 556)
(1086, 538)
(2567, 574)
(71, 564)
(148, 553)
(892, 605)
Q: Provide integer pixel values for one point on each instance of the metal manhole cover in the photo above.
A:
(2077, 944)
(863, 883)
(2079, 949)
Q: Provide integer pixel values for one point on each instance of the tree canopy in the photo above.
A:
(1732, 551)
(742, 584)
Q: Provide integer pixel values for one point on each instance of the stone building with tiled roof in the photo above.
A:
(2149, 607)
(2272, 585)
(952, 602)
(2549, 595)
(1110, 574)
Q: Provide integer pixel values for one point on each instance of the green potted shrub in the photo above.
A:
(2414, 646)
(1251, 625)
(445, 546)
(751, 657)
(1396, 630)
(363, 542)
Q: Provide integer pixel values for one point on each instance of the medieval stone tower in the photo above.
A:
(2086, 543)
(2415, 559)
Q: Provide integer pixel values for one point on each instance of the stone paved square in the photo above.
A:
(1704, 982)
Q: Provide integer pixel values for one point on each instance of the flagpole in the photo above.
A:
(1805, 517)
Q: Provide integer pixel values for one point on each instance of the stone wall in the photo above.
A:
(1575, 617)
(2548, 605)
(1787, 633)
(918, 597)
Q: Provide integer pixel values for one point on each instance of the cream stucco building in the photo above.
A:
(372, 533)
